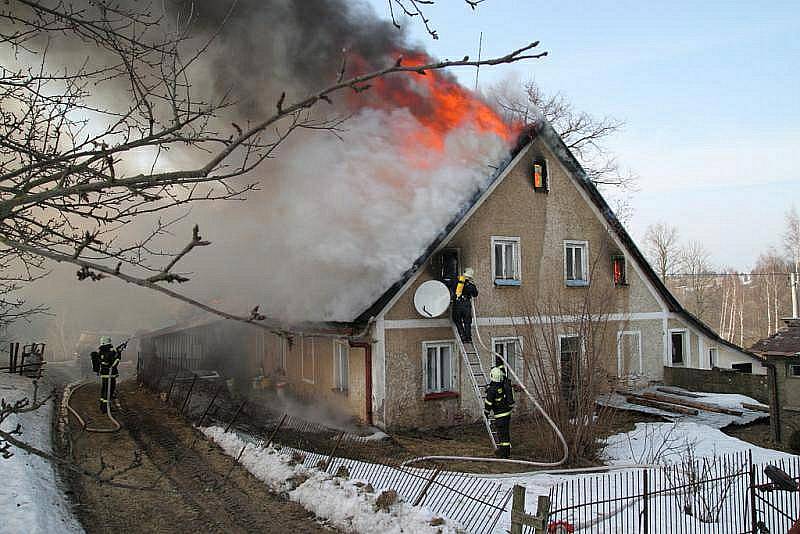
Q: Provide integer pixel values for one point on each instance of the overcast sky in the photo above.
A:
(709, 92)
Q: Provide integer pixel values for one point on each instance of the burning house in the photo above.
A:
(537, 227)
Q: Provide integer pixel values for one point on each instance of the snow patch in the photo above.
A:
(343, 503)
(30, 499)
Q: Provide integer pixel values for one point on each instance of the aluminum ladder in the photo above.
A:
(478, 379)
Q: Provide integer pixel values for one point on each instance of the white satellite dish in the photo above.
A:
(432, 299)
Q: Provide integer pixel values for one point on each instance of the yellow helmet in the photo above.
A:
(496, 374)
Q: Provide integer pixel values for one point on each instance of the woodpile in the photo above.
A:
(679, 392)
(755, 407)
(691, 404)
(667, 407)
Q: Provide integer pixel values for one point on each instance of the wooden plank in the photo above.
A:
(636, 399)
(690, 404)
(679, 392)
(755, 407)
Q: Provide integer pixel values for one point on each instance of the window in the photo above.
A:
(446, 264)
(341, 366)
(539, 176)
(618, 270)
(794, 370)
(570, 348)
(713, 357)
(629, 353)
(307, 359)
(743, 367)
(678, 346)
(506, 263)
(439, 368)
(509, 348)
(575, 263)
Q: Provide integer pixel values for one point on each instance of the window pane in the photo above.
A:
(498, 260)
(570, 264)
(509, 261)
(677, 347)
(446, 375)
(431, 362)
(579, 263)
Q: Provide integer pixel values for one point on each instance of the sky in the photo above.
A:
(709, 93)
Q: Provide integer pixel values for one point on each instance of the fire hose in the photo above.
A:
(84, 426)
(550, 422)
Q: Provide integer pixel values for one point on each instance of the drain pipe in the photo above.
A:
(367, 346)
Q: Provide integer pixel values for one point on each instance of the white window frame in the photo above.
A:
(518, 363)
(516, 251)
(620, 334)
(713, 357)
(453, 366)
(338, 383)
(686, 355)
(303, 360)
(584, 246)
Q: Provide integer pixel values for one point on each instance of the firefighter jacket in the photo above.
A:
(109, 359)
(462, 291)
(498, 400)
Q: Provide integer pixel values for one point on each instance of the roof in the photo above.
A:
(784, 342)
(544, 131)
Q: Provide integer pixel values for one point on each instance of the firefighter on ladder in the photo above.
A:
(464, 290)
(105, 362)
(500, 400)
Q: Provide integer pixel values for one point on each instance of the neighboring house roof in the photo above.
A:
(784, 342)
(550, 137)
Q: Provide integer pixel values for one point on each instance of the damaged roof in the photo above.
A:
(544, 131)
(784, 342)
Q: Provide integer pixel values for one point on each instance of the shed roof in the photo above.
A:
(784, 342)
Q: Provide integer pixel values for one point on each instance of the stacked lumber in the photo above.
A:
(691, 404)
(755, 407)
(667, 407)
(679, 392)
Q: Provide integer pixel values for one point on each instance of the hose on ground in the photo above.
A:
(84, 426)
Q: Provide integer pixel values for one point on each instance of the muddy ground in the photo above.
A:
(189, 484)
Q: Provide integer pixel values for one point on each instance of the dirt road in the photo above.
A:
(195, 487)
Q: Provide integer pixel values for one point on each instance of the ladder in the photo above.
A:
(478, 379)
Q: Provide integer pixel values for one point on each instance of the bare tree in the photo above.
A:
(75, 169)
(791, 237)
(415, 9)
(699, 277)
(662, 248)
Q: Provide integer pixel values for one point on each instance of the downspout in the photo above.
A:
(367, 346)
(774, 406)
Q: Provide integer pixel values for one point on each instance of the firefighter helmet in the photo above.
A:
(469, 273)
(105, 340)
(497, 374)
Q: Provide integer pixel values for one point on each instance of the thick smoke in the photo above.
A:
(336, 219)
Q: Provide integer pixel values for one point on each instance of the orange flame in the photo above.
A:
(438, 103)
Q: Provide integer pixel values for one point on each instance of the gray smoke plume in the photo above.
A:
(337, 219)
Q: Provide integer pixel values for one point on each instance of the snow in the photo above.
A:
(30, 499)
(342, 503)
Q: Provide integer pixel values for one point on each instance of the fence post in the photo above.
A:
(542, 513)
(333, 451)
(517, 507)
(189, 395)
(235, 416)
(275, 432)
(752, 493)
(646, 502)
(171, 385)
(425, 489)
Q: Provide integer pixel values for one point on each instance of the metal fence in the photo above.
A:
(473, 502)
(722, 494)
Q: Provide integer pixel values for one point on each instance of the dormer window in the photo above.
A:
(539, 176)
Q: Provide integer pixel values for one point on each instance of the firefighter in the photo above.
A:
(108, 358)
(463, 291)
(500, 401)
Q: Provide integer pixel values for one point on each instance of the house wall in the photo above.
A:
(543, 221)
(699, 345)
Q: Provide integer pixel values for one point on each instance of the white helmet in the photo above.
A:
(105, 340)
(497, 374)
(469, 272)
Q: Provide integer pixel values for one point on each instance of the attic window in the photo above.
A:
(539, 176)
(618, 270)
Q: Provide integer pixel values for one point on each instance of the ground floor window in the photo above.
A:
(678, 347)
(570, 351)
(341, 366)
(438, 367)
(509, 348)
(629, 353)
(713, 357)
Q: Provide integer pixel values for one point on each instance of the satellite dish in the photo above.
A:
(432, 299)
